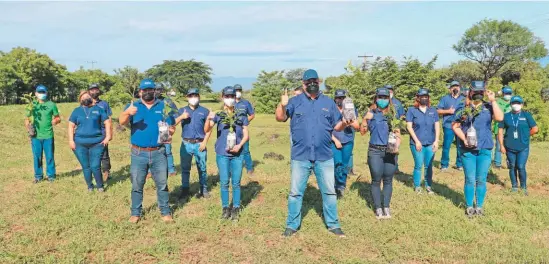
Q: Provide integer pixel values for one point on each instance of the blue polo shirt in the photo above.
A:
(447, 102)
(223, 131)
(312, 123)
(399, 107)
(347, 135)
(89, 122)
(244, 107)
(482, 123)
(521, 122)
(193, 127)
(144, 124)
(105, 106)
(423, 124)
(379, 128)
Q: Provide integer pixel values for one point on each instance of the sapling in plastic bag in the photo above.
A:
(349, 109)
(231, 140)
(471, 137)
(164, 136)
(29, 108)
(393, 143)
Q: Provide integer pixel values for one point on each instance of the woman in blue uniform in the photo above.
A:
(87, 139)
(514, 138)
(423, 126)
(477, 158)
(382, 164)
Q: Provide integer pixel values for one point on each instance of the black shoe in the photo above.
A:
(288, 232)
(226, 213)
(35, 181)
(184, 193)
(235, 214)
(338, 232)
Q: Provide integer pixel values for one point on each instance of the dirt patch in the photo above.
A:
(273, 156)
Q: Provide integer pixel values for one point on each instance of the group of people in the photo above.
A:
(322, 137)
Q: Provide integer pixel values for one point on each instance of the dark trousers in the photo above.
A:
(382, 167)
(106, 160)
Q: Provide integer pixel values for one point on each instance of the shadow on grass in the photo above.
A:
(364, 191)
(249, 192)
(120, 175)
(493, 178)
(70, 174)
(194, 190)
(312, 199)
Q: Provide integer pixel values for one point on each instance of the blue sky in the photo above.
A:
(242, 38)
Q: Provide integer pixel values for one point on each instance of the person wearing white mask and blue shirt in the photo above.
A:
(244, 108)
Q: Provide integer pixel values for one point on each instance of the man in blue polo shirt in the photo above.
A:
(399, 107)
(314, 117)
(244, 107)
(192, 119)
(447, 108)
(146, 153)
(95, 92)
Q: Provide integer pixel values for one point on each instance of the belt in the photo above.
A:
(378, 147)
(193, 140)
(145, 149)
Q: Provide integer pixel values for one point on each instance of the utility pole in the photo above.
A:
(92, 63)
(365, 57)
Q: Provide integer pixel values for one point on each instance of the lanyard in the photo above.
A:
(513, 120)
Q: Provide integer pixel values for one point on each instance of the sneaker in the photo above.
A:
(470, 212)
(458, 168)
(387, 213)
(90, 189)
(479, 212)
(525, 192)
(417, 190)
(288, 232)
(35, 181)
(101, 189)
(379, 214)
(167, 219)
(338, 232)
(443, 169)
(226, 213)
(235, 214)
(514, 189)
(134, 219)
(206, 194)
(184, 193)
(429, 190)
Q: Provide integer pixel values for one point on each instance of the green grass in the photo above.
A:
(62, 223)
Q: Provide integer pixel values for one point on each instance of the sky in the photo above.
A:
(240, 39)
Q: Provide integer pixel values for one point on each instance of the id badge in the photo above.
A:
(515, 134)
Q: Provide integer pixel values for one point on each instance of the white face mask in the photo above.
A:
(391, 95)
(194, 101)
(507, 97)
(238, 95)
(229, 101)
(516, 107)
(42, 96)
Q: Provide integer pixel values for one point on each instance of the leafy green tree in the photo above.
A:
(126, 87)
(464, 71)
(294, 76)
(182, 75)
(267, 89)
(493, 44)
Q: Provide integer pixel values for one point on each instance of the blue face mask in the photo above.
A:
(382, 103)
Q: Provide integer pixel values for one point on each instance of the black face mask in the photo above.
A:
(94, 95)
(339, 103)
(147, 97)
(87, 102)
(423, 101)
(455, 91)
(477, 97)
(312, 88)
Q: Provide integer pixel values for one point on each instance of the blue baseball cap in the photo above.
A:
(310, 74)
(507, 90)
(477, 86)
(93, 86)
(422, 91)
(41, 88)
(517, 99)
(340, 93)
(192, 91)
(147, 84)
(389, 87)
(383, 91)
(237, 87)
(229, 90)
(454, 83)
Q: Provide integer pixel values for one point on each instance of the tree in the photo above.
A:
(182, 75)
(464, 71)
(493, 44)
(294, 76)
(126, 86)
(267, 89)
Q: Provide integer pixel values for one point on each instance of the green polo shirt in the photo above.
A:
(505, 106)
(43, 115)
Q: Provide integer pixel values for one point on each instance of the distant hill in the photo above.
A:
(218, 83)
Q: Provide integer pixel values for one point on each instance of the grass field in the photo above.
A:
(63, 223)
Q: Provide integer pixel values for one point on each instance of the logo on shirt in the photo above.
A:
(325, 109)
(201, 113)
(522, 119)
(95, 112)
(158, 112)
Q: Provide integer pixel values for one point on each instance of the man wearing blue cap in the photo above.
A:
(40, 122)
(514, 137)
(95, 92)
(192, 118)
(146, 153)
(245, 108)
(314, 117)
(505, 106)
(447, 108)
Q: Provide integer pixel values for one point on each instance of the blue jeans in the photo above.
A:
(46, 146)
(449, 137)
(89, 156)
(324, 172)
(497, 154)
(169, 156)
(229, 168)
(475, 166)
(247, 157)
(187, 151)
(341, 163)
(351, 163)
(423, 159)
(141, 162)
(382, 167)
(516, 161)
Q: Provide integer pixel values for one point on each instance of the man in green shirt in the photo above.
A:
(505, 106)
(44, 115)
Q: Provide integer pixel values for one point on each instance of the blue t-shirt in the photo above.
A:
(399, 107)
(105, 106)
(447, 102)
(347, 135)
(244, 108)
(144, 124)
(312, 123)
(423, 124)
(222, 132)
(520, 122)
(379, 128)
(193, 127)
(482, 123)
(89, 122)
